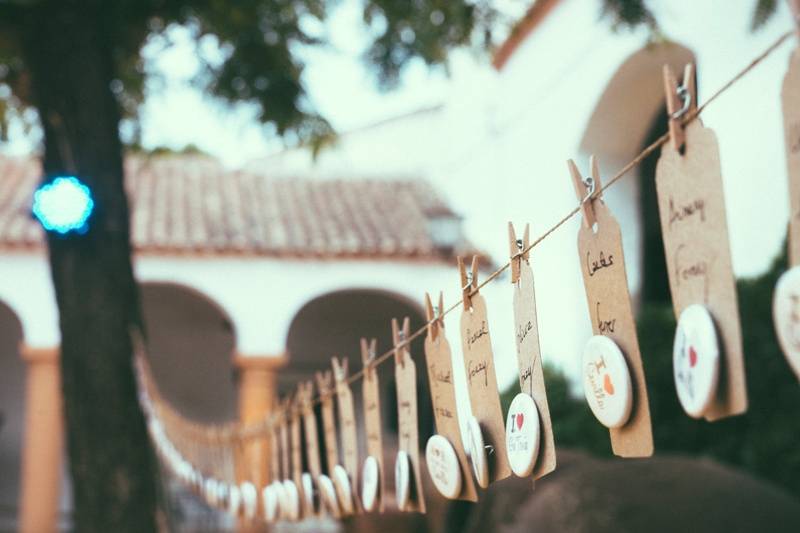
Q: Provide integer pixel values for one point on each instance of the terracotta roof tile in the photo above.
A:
(191, 204)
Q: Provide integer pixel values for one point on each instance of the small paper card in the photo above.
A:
(481, 376)
(443, 394)
(373, 427)
(347, 423)
(325, 385)
(285, 448)
(609, 302)
(695, 230)
(306, 395)
(405, 373)
(790, 96)
(529, 358)
(296, 438)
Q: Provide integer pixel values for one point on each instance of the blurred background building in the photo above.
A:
(272, 269)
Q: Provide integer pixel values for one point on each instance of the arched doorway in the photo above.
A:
(190, 342)
(12, 416)
(332, 325)
(629, 115)
(190, 345)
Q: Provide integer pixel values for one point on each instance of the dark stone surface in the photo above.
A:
(661, 494)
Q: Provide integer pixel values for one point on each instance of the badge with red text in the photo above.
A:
(249, 499)
(341, 481)
(522, 435)
(607, 382)
(786, 316)
(695, 360)
(291, 502)
(370, 474)
(327, 493)
(443, 466)
(269, 497)
(402, 480)
(477, 454)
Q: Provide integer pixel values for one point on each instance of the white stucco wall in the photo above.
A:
(506, 136)
(261, 296)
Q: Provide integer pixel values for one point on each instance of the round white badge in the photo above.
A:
(327, 493)
(210, 491)
(291, 504)
(249, 499)
(443, 466)
(270, 501)
(234, 500)
(341, 481)
(477, 454)
(310, 494)
(607, 382)
(522, 435)
(402, 479)
(370, 483)
(786, 316)
(695, 360)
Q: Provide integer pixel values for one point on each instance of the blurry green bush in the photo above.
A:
(765, 441)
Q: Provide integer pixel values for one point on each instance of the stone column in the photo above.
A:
(43, 441)
(257, 396)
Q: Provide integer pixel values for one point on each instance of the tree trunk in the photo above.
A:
(68, 49)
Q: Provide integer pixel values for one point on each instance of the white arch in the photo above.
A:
(262, 295)
(27, 288)
(616, 130)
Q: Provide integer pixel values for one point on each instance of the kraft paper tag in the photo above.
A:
(405, 373)
(286, 470)
(481, 375)
(443, 395)
(370, 388)
(325, 384)
(695, 230)
(790, 96)
(347, 424)
(606, 283)
(275, 454)
(306, 395)
(531, 375)
(295, 437)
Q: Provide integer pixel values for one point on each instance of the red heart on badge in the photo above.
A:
(607, 385)
(692, 356)
(520, 418)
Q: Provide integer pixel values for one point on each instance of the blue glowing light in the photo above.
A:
(63, 205)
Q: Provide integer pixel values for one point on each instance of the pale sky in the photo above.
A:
(338, 82)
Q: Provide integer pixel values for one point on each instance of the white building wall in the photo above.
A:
(262, 296)
(507, 134)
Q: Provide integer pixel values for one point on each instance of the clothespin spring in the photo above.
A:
(520, 250)
(590, 186)
(686, 97)
(469, 281)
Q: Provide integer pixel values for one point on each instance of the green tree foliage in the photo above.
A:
(76, 66)
(263, 44)
(632, 13)
(762, 442)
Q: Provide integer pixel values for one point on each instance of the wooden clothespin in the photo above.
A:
(399, 337)
(469, 281)
(339, 368)
(518, 249)
(324, 383)
(434, 315)
(305, 391)
(286, 407)
(681, 100)
(368, 353)
(587, 190)
(794, 8)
